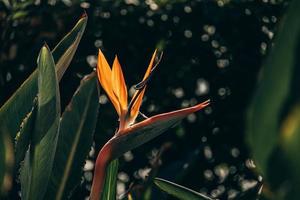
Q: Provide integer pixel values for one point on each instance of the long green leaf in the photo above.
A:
(64, 51)
(273, 131)
(6, 163)
(266, 108)
(179, 191)
(35, 174)
(77, 127)
(110, 185)
(20, 103)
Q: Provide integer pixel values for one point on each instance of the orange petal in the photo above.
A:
(104, 75)
(138, 100)
(119, 85)
(136, 106)
(150, 65)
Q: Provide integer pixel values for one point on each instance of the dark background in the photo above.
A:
(212, 49)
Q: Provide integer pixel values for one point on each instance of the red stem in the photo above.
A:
(103, 159)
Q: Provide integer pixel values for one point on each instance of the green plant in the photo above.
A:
(44, 148)
(50, 147)
(130, 133)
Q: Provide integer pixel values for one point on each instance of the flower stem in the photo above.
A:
(103, 160)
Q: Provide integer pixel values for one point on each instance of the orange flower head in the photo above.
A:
(113, 82)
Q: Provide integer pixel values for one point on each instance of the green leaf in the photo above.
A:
(35, 174)
(110, 185)
(75, 139)
(268, 103)
(23, 137)
(64, 51)
(20, 103)
(6, 163)
(7, 3)
(19, 14)
(273, 131)
(179, 191)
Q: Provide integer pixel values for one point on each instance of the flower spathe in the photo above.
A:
(113, 82)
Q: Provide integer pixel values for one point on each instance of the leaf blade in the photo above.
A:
(110, 185)
(273, 129)
(36, 171)
(179, 191)
(20, 103)
(269, 99)
(77, 127)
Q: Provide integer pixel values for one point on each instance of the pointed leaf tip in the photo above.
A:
(46, 46)
(45, 49)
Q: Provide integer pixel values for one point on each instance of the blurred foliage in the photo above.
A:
(211, 49)
(6, 163)
(274, 120)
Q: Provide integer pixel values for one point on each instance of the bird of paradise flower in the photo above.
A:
(130, 133)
